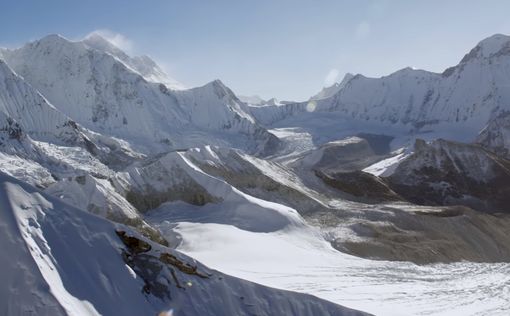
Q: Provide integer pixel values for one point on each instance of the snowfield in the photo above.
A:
(300, 260)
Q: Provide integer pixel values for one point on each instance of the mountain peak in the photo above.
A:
(251, 99)
(216, 83)
(96, 41)
(144, 65)
(53, 39)
(94, 36)
(495, 40)
(327, 92)
(220, 89)
(495, 45)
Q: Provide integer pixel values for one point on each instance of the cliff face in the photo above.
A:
(448, 173)
(496, 135)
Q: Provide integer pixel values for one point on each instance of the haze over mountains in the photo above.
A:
(410, 168)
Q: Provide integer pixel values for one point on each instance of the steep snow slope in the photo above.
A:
(253, 99)
(144, 65)
(43, 122)
(30, 109)
(62, 161)
(257, 177)
(58, 260)
(327, 92)
(45, 164)
(98, 91)
(70, 173)
(94, 195)
(175, 177)
(386, 167)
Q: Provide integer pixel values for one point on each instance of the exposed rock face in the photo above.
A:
(339, 163)
(361, 185)
(264, 179)
(450, 173)
(171, 277)
(496, 135)
(349, 154)
(429, 235)
(157, 270)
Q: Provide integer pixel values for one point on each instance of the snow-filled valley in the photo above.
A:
(299, 261)
(386, 196)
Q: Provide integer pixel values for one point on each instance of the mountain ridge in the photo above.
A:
(101, 93)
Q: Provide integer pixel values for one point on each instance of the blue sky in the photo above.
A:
(282, 48)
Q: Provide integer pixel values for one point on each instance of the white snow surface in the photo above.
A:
(327, 92)
(175, 170)
(252, 99)
(455, 104)
(144, 65)
(386, 167)
(298, 257)
(104, 90)
(301, 260)
(58, 260)
(95, 195)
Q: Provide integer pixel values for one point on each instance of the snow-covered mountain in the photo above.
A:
(329, 91)
(144, 65)
(24, 105)
(252, 99)
(41, 121)
(455, 104)
(103, 89)
(243, 183)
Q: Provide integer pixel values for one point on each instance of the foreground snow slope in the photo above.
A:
(58, 260)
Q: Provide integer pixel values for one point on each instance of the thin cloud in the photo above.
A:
(363, 30)
(331, 77)
(116, 39)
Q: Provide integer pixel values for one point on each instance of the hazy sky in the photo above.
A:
(283, 48)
